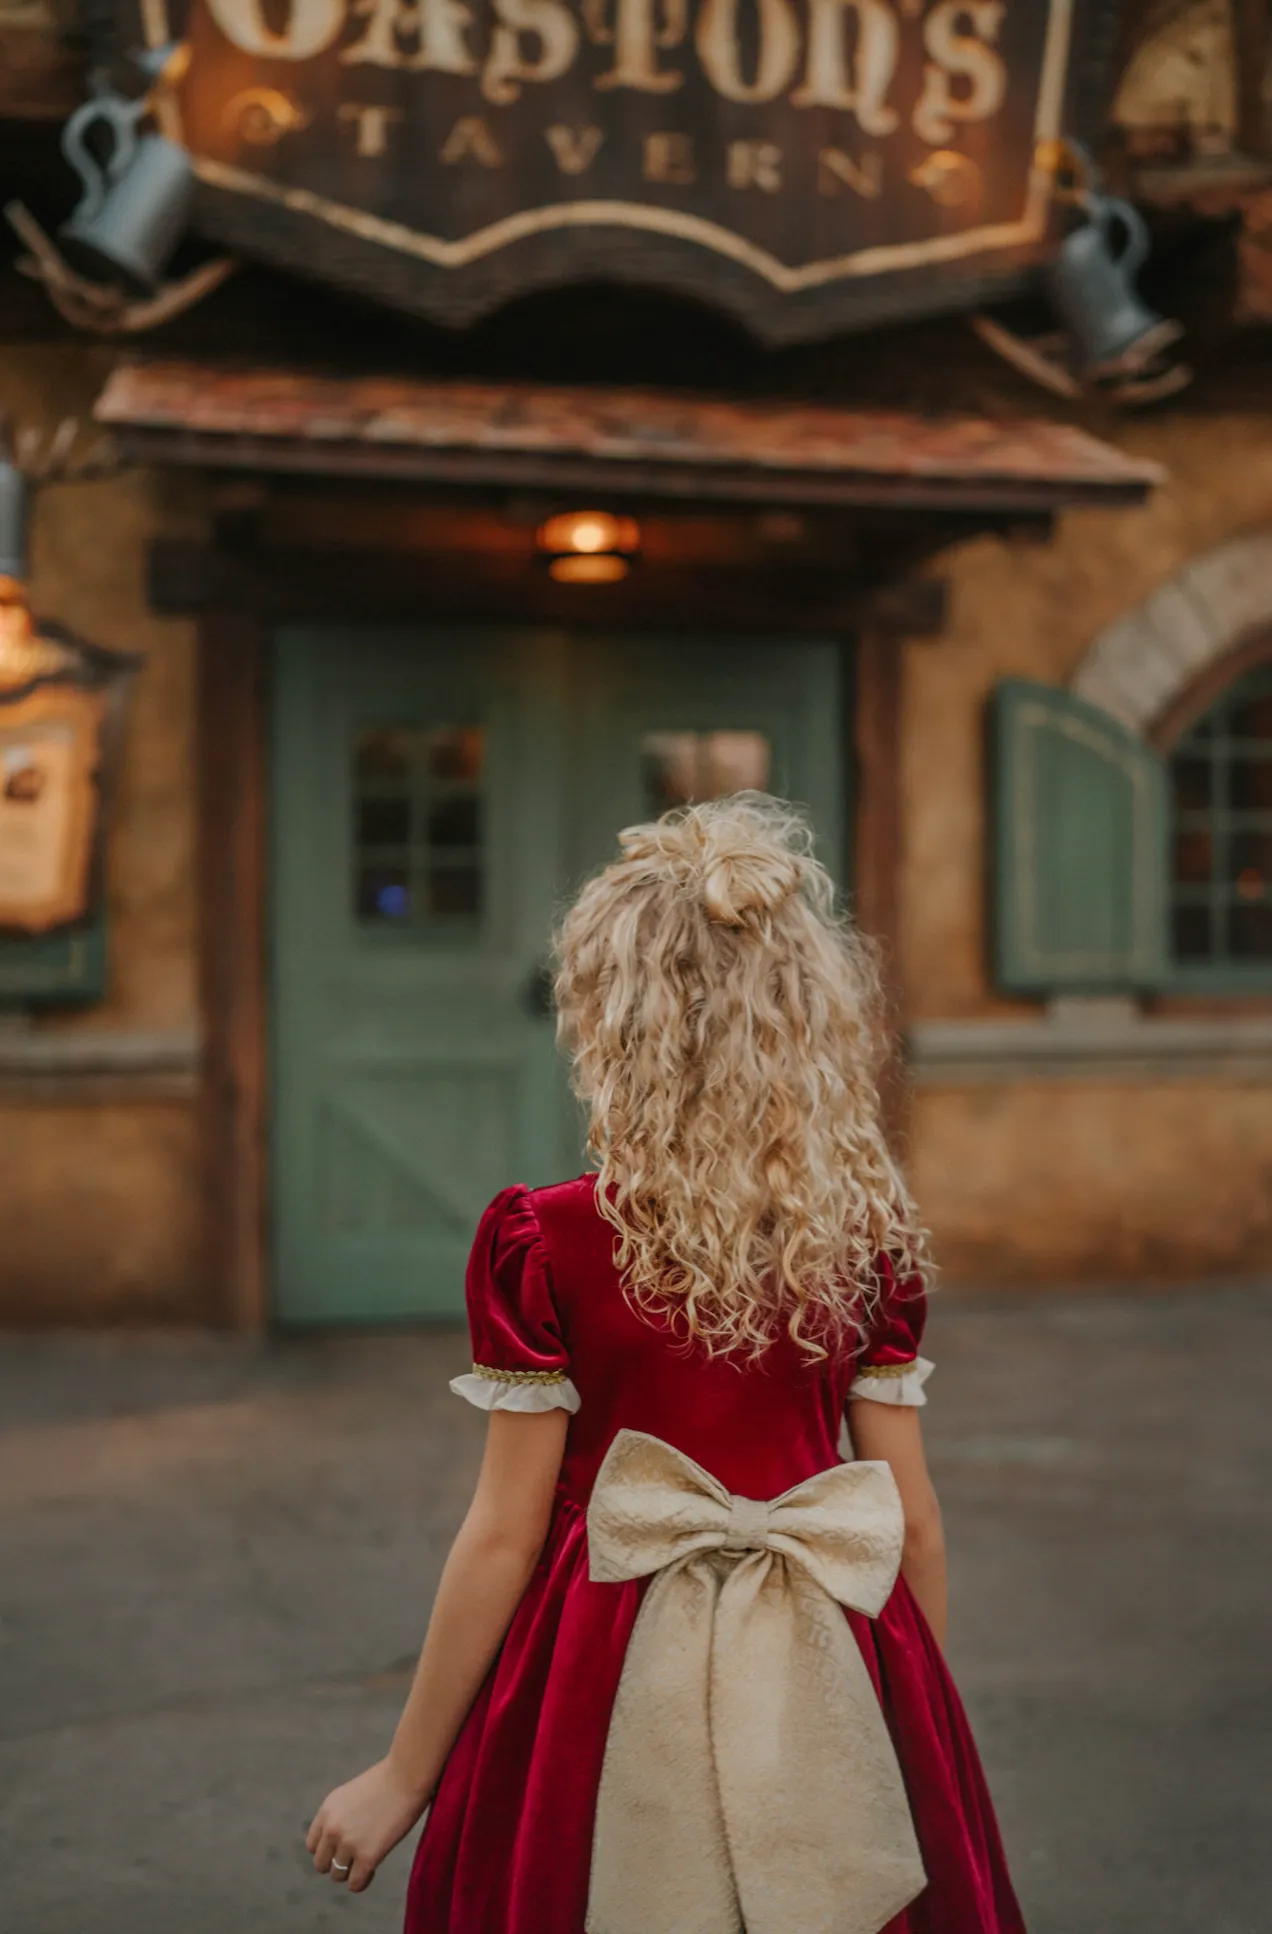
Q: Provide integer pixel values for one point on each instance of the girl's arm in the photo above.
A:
(892, 1434)
(488, 1569)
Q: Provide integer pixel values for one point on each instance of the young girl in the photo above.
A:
(683, 1673)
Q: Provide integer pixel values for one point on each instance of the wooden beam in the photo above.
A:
(879, 839)
(232, 814)
(296, 584)
(636, 481)
(1250, 20)
(913, 607)
(41, 76)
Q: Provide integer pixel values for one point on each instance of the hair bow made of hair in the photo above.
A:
(750, 1781)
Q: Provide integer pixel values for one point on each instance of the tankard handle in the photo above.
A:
(121, 117)
(1111, 210)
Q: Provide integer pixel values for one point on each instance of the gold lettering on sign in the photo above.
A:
(636, 39)
(720, 53)
(435, 27)
(837, 171)
(575, 148)
(669, 158)
(311, 27)
(963, 57)
(371, 125)
(755, 164)
(858, 85)
(263, 115)
(548, 22)
(471, 137)
(952, 179)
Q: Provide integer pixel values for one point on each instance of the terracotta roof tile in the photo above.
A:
(650, 441)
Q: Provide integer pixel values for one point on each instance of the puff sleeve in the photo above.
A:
(519, 1357)
(889, 1368)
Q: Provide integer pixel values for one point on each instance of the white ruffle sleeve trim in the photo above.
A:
(500, 1393)
(900, 1383)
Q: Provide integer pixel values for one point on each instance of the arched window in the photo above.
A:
(1221, 845)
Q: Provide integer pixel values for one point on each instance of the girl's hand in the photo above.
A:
(358, 1824)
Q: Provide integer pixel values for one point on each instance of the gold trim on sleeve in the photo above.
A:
(518, 1376)
(886, 1369)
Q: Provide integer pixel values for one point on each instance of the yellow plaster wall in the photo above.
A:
(1046, 1181)
(100, 1209)
(1055, 1182)
(99, 1201)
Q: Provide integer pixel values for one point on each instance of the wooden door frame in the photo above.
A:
(233, 779)
(876, 836)
(233, 846)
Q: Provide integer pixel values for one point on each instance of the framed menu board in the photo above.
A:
(61, 714)
(50, 753)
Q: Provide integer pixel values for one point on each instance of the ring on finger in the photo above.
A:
(337, 1868)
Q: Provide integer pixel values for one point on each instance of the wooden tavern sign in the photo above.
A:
(810, 164)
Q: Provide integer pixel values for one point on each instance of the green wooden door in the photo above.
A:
(656, 720)
(417, 841)
(435, 794)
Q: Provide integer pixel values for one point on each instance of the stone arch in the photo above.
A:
(1140, 667)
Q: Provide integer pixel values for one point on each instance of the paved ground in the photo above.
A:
(216, 1561)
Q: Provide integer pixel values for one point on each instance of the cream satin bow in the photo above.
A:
(750, 1782)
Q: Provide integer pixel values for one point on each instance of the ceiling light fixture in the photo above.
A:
(589, 546)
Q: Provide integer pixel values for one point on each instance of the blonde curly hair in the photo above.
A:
(721, 1019)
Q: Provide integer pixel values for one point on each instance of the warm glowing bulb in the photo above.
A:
(589, 531)
(603, 567)
(592, 534)
(589, 546)
(25, 654)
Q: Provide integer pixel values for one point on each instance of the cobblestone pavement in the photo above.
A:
(216, 1561)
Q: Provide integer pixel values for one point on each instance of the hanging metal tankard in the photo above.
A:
(136, 201)
(1092, 283)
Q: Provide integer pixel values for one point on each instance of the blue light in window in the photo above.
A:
(394, 902)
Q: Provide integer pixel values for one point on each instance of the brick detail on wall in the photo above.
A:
(1138, 666)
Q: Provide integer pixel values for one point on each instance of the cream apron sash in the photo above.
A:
(750, 1782)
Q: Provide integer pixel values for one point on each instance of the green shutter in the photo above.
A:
(1079, 810)
(53, 968)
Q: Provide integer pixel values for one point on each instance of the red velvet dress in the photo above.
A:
(507, 1846)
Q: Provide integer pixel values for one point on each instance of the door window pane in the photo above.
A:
(682, 768)
(418, 825)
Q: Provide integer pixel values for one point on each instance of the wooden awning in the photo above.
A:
(620, 443)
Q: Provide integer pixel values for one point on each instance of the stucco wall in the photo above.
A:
(99, 1200)
(1028, 1181)
(100, 1210)
(1052, 1182)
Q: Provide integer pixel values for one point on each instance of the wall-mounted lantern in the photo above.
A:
(589, 546)
(61, 714)
(13, 520)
